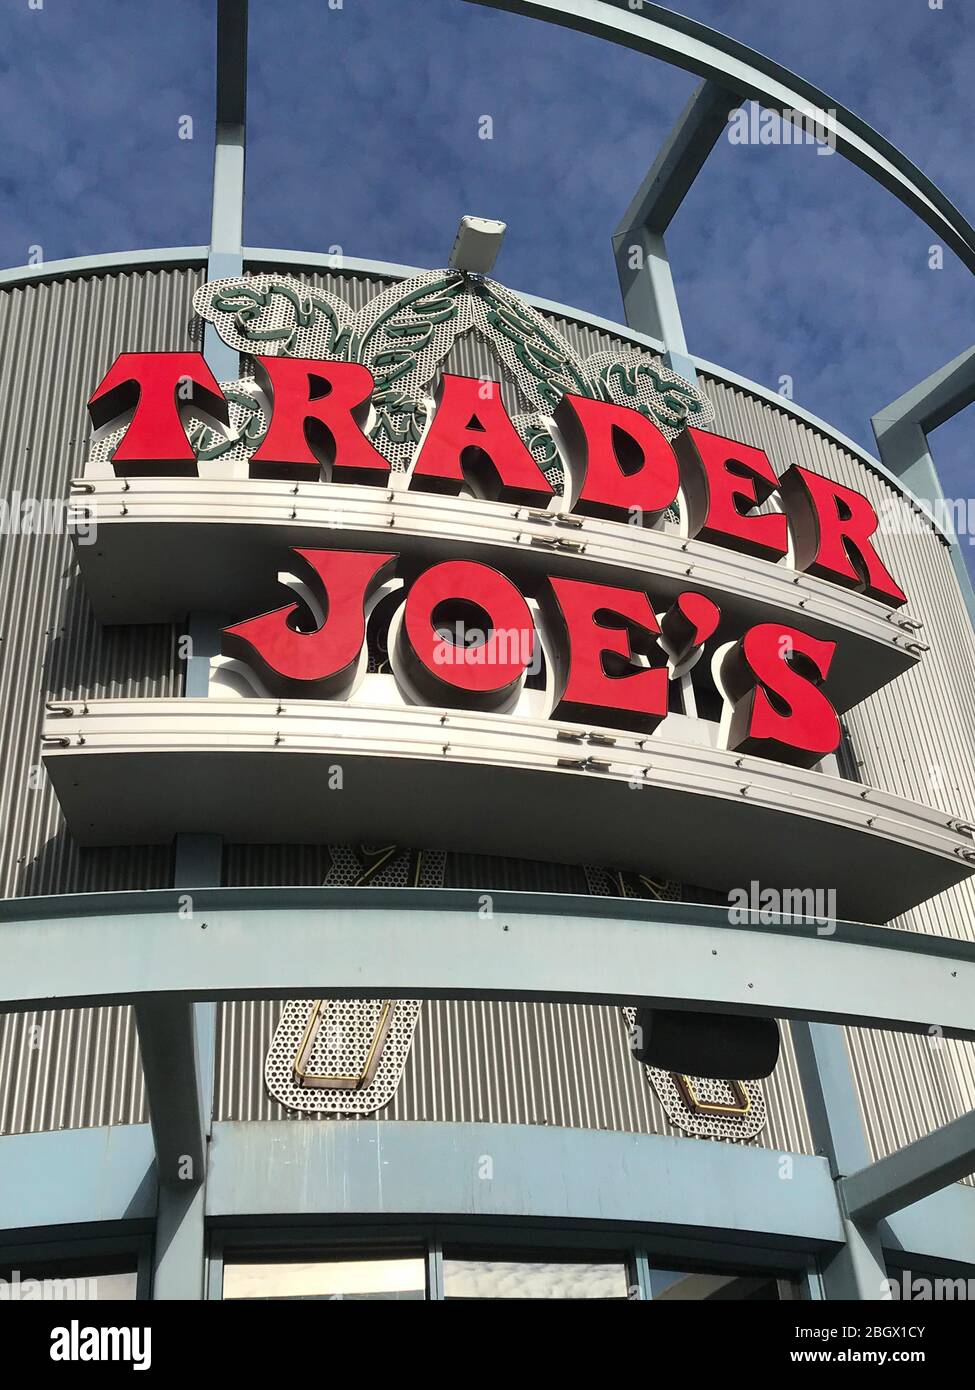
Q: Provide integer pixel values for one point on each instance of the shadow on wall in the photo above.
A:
(59, 653)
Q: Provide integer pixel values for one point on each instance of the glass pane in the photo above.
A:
(396, 1278)
(668, 1285)
(532, 1279)
(64, 1280)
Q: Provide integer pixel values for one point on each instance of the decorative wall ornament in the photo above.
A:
(346, 1056)
(403, 335)
(698, 1105)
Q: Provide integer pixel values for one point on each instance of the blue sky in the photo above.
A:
(363, 133)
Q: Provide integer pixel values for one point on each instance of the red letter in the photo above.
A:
(156, 385)
(606, 627)
(832, 526)
(722, 480)
(629, 466)
(772, 677)
(690, 621)
(493, 627)
(313, 664)
(317, 416)
(471, 436)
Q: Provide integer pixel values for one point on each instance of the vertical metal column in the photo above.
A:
(646, 283)
(901, 430)
(857, 1271)
(180, 1253)
(227, 209)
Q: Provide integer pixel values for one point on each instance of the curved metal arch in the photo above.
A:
(90, 949)
(695, 47)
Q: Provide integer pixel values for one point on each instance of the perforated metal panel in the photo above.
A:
(404, 335)
(698, 1105)
(320, 1056)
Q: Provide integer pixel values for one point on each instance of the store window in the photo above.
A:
(467, 1276)
(669, 1285)
(89, 1281)
(307, 1277)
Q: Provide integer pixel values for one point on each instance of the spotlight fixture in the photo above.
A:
(477, 244)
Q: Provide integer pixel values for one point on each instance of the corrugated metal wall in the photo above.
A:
(502, 1062)
(60, 1070)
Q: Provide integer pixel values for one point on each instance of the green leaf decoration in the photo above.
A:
(404, 335)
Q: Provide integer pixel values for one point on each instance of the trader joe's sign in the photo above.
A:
(365, 398)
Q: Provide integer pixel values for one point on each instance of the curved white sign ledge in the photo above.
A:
(260, 771)
(232, 536)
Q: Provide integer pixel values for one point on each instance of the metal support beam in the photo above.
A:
(204, 635)
(180, 1244)
(901, 430)
(935, 400)
(170, 1065)
(913, 1173)
(177, 1037)
(857, 1270)
(198, 860)
(646, 282)
(171, 1068)
(242, 943)
(830, 1096)
(685, 43)
(679, 162)
(227, 208)
(199, 864)
(650, 296)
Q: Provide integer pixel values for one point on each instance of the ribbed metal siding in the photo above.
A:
(915, 738)
(502, 1063)
(68, 1069)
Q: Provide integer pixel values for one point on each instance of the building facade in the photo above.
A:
(329, 951)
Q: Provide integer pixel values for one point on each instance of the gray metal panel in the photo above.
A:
(80, 1068)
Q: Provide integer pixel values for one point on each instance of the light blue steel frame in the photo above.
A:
(115, 1174)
